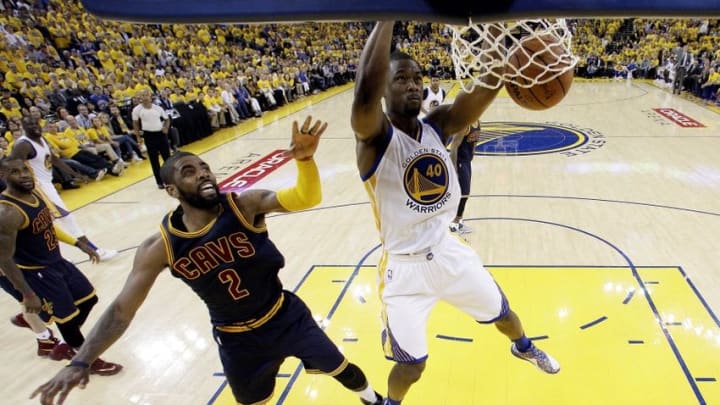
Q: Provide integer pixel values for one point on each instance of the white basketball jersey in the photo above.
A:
(41, 164)
(414, 191)
(433, 99)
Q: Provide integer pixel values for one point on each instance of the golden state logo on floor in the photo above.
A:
(523, 138)
(426, 182)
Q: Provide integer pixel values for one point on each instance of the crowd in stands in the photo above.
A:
(81, 76)
(681, 54)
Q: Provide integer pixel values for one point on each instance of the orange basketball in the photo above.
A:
(549, 52)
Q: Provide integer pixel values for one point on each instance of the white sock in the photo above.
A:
(45, 335)
(367, 394)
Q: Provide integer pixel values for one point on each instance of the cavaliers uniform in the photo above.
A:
(233, 267)
(57, 282)
(415, 192)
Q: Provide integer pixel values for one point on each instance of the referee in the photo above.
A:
(151, 121)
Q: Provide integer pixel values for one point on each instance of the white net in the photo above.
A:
(525, 53)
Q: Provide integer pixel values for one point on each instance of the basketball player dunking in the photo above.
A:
(218, 245)
(408, 174)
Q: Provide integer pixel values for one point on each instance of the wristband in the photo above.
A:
(78, 363)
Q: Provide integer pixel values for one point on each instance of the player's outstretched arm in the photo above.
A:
(367, 118)
(150, 260)
(307, 191)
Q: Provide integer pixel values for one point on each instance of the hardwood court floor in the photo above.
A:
(602, 230)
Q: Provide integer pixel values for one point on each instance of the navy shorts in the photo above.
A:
(61, 287)
(251, 360)
(464, 170)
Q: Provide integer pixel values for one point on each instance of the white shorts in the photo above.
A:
(411, 285)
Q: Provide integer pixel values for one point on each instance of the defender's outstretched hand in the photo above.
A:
(64, 381)
(305, 139)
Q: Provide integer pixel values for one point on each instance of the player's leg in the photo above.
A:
(407, 303)
(250, 365)
(474, 291)
(68, 298)
(45, 339)
(464, 171)
(319, 354)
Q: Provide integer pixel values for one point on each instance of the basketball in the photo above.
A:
(547, 51)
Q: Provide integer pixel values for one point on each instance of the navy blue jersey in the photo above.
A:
(466, 150)
(232, 265)
(36, 245)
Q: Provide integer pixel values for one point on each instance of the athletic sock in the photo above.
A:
(523, 344)
(44, 335)
(389, 401)
(368, 394)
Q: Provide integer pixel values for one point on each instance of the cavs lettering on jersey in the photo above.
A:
(36, 245)
(414, 190)
(232, 265)
(41, 161)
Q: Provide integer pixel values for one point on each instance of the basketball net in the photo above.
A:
(482, 50)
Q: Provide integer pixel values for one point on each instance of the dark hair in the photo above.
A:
(400, 55)
(167, 172)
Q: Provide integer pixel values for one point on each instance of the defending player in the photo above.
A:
(218, 245)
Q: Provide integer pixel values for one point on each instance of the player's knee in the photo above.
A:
(352, 377)
(410, 372)
(87, 305)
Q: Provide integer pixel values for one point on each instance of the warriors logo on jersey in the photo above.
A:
(426, 179)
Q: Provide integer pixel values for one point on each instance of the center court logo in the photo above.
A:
(524, 138)
(426, 182)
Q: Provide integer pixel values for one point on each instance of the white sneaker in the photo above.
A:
(136, 158)
(101, 174)
(106, 255)
(460, 228)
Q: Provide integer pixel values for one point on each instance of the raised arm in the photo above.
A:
(307, 191)
(150, 261)
(10, 222)
(367, 119)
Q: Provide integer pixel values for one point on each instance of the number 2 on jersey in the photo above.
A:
(230, 276)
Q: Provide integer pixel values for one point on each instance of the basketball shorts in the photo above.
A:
(61, 287)
(411, 285)
(251, 359)
(464, 171)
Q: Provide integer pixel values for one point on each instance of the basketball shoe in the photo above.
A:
(46, 346)
(19, 321)
(540, 359)
(102, 367)
(106, 254)
(62, 351)
(460, 228)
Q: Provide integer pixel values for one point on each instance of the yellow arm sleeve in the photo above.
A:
(64, 236)
(307, 192)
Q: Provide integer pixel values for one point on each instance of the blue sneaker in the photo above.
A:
(539, 358)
